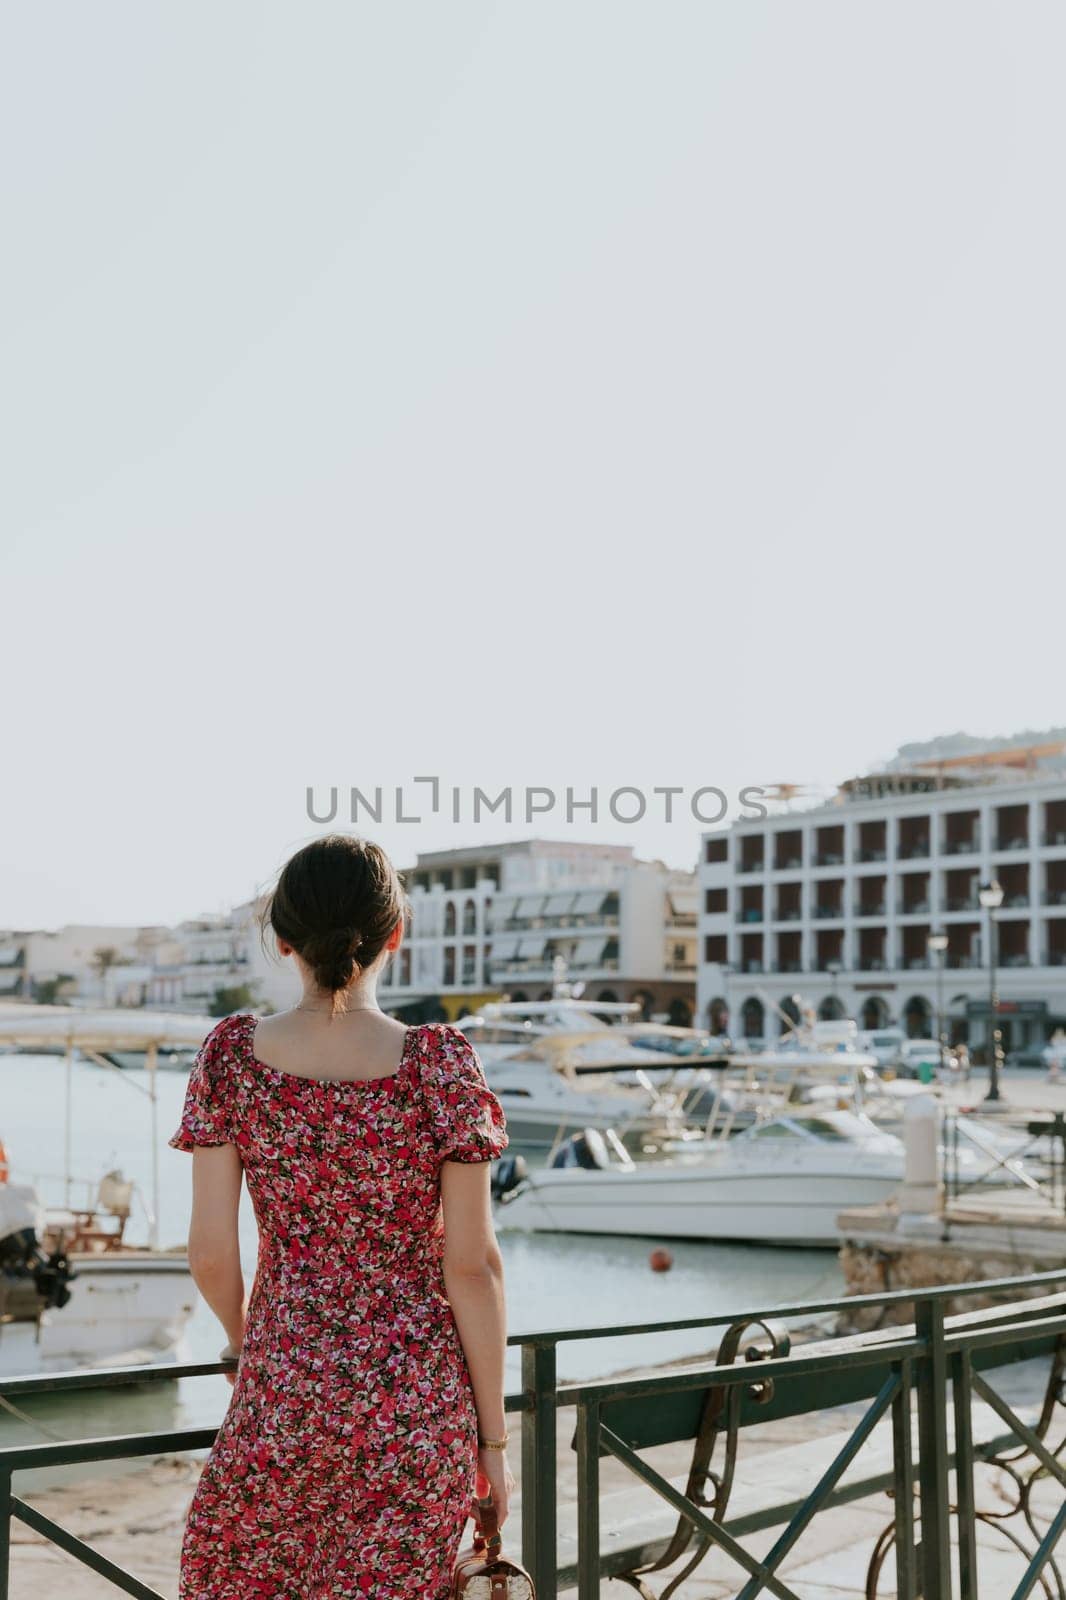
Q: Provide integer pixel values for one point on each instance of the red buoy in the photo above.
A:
(660, 1260)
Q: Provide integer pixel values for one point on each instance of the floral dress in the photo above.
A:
(345, 1464)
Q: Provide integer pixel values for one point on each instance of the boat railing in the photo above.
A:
(907, 1380)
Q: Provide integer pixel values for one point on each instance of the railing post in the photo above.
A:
(588, 1501)
(903, 1487)
(964, 1495)
(539, 1537)
(5, 1533)
(933, 1452)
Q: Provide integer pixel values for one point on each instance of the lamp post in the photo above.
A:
(834, 969)
(726, 972)
(991, 897)
(938, 945)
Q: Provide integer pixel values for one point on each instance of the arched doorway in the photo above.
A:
(752, 1018)
(646, 1001)
(917, 1018)
(519, 995)
(718, 1017)
(679, 1014)
(449, 920)
(469, 918)
(831, 1009)
(874, 1013)
(607, 997)
(545, 994)
(790, 1009)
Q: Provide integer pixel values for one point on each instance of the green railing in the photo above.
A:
(910, 1377)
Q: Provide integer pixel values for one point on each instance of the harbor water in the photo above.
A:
(553, 1281)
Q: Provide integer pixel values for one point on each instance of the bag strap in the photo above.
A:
(487, 1526)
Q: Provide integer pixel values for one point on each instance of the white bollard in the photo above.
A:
(922, 1191)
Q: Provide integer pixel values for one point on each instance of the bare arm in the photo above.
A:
(214, 1252)
(473, 1281)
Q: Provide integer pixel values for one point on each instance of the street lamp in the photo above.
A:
(727, 970)
(938, 945)
(834, 969)
(991, 897)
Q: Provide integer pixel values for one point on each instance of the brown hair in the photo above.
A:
(336, 902)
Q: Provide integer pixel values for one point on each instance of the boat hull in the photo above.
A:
(125, 1307)
(761, 1208)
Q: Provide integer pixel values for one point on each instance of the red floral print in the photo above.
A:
(345, 1464)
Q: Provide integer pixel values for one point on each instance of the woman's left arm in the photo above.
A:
(214, 1249)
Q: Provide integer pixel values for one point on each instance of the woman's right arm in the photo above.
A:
(473, 1281)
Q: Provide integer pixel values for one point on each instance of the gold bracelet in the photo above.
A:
(493, 1444)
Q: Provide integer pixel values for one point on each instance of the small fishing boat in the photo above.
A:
(74, 1288)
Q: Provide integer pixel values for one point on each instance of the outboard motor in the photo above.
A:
(22, 1261)
(507, 1174)
(587, 1149)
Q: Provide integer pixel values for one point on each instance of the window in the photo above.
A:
(716, 900)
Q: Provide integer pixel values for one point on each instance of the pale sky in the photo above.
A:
(584, 393)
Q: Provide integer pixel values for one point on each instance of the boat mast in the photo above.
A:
(151, 1062)
(68, 1122)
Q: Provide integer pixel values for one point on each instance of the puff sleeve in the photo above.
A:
(468, 1121)
(205, 1118)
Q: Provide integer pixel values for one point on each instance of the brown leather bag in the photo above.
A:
(482, 1572)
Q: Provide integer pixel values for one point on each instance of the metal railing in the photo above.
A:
(884, 1369)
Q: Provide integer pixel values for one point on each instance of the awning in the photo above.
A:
(10, 954)
(590, 902)
(502, 910)
(529, 905)
(531, 946)
(9, 982)
(504, 947)
(682, 903)
(589, 953)
(559, 904)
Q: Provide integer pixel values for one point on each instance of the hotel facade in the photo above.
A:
(510, 920)
(835, 906)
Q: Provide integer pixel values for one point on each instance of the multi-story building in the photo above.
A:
(836, 905)
(509, 919)
(82, 962)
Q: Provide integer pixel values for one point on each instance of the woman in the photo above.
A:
(367, 1405)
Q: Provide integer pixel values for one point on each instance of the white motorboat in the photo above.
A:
(74, 1289)
(783, 1181)
(565, 1064)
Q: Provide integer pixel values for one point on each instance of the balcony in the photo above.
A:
(872, 964)
(828, 858)
(870, 908)
(962, 902)
(751, 866)
(686, 967)
(962, 847)
(750, 915)
(1054, 836)
(1016, 902)
(1012, 841)
(916, 908)
(787, 966)
(1054, 897)
(751, 967)
(873, 855)
(913, 850)
(826, 912)
(788, 914)
(1015, 961)
(962, 963)
(916, 963)
(788, 863)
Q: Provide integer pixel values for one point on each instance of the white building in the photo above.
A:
(836, 904)
(495, 920)
(87, 963)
